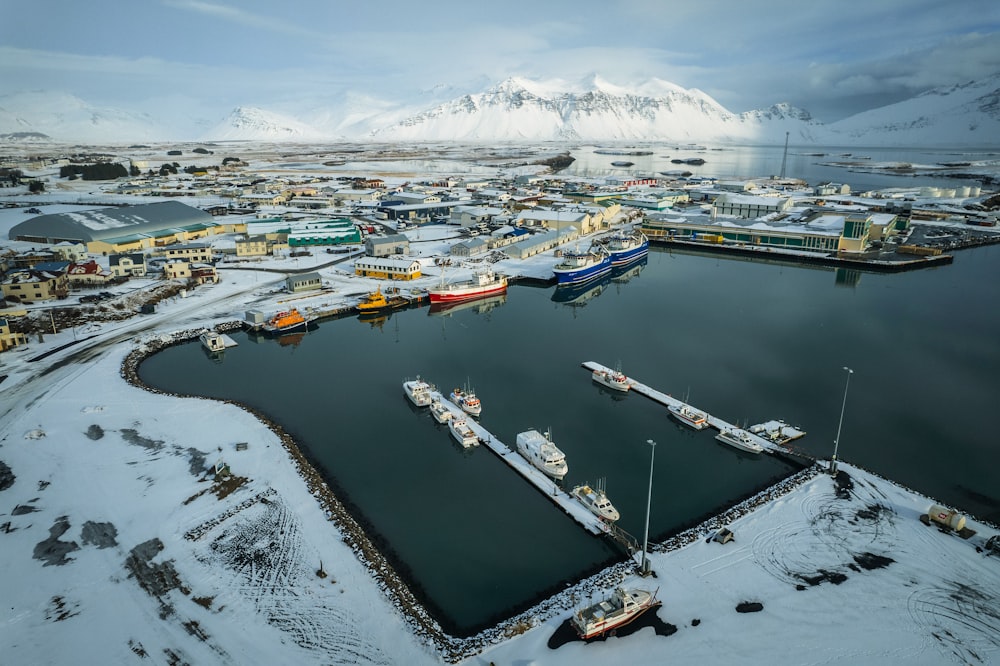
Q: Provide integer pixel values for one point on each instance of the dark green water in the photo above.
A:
(749, 341)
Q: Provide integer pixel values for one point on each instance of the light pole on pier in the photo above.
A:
(836, 442)
(644, 567)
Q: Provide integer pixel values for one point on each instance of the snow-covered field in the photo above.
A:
(119, 545)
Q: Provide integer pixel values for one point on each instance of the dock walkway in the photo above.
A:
(536, 477)
(770, 435)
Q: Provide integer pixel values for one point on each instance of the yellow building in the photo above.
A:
(387, 268)
(9, 340)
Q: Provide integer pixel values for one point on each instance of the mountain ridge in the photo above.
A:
(519, 109)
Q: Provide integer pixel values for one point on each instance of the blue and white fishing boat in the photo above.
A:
(626, 247)
(577, 267)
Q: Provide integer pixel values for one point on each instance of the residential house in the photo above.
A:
(8, 339)
(88, 273)
(27, 285)
(128, 265)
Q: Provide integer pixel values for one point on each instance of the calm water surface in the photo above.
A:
(747, 340)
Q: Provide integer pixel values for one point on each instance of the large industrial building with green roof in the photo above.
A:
(124, 229)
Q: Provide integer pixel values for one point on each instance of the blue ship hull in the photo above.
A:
(585, 274)
(623, 257)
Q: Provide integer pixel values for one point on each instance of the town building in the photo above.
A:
(9, 339)
(387, 268)
(88, 273)
(128, 265)
(28, 285)
(384, 246)
(303, 282)
(747, 206)
(252, 246)
(191, 252)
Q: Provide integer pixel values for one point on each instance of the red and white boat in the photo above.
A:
(483, 283)
(619, 609)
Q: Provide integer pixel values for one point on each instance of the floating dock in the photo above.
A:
(535, 476)
(770, 435)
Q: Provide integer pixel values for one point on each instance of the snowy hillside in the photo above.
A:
(965, 114)
(522, 110)
(70, 119)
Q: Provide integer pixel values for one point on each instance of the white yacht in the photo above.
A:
(741, 439)
(440, 412)
(539, 450)
(213, 341)
(597, 501)
(689, 416)
(467, 400)
(463, 432)
(418, 391)
(613, 379)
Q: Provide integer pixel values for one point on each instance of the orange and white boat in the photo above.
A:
(286, 321)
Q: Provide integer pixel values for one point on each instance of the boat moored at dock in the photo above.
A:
(577, 267)
(623, 606)
(540, 451)
(467, 400)
(376, 302)
(286, 321)
(614, 379)
(597, 501)
(626, 247)
(689, 416)
(740, 439)
(463, 432)
(440, 412)
(418, 391)
(484, 282)
(213, 341)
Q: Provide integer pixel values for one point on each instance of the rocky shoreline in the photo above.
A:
(450, 648)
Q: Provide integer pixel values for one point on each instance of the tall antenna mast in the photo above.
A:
(784, 158)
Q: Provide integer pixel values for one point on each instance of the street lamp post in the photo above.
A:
(644, 567)
(836, 442)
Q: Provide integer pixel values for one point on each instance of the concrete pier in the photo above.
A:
(770, 435)
(532, 474)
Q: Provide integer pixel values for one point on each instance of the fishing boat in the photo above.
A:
(626, 247)
(741, 439)
(479, 305)
(418, 391)
(484, 282)
(689, 416)
(463, 432)
(286, 321)
(596, 500)
(376, 302)
(623, 606)
(540, 451)
(467, 400)
(577, 267)
(614, 379)
(440, 411)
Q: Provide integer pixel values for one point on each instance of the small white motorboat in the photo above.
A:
(418, 391)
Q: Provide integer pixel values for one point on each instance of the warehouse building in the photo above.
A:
(125, 229)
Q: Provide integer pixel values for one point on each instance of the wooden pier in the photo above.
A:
(770, 435)
(532, 474)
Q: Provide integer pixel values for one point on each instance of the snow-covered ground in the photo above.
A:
(119, 544)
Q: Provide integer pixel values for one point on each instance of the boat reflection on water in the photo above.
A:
(579, 294)
(478, 306)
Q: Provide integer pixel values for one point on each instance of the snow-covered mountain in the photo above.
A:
(521, 110)
(67, 118)
(964, 114)
(247, 123)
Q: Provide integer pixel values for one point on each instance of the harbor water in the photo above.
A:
(745, 340)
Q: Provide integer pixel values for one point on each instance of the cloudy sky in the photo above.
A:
(207, 57)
